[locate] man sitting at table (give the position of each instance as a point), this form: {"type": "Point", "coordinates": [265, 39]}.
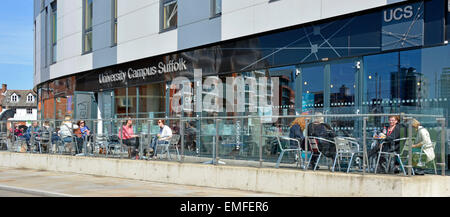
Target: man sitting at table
{"type": "Point", "coordinates": [163, 137]}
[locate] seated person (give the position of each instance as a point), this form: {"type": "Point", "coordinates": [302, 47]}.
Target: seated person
{"type": "Point", "coordinates": [322, 130]}
{"type": "Point", "coordinates": [129, 138]}
{"type": "Point", "coordinates": [66, 130]}
{"type": "Point", "coordinates": [32, 131]}
{"type": "Point", "coordinates": [423, 139]}
{"type": "Point", "coordinates": [389, 145]}
{"type": "Point", "coordinates": [163, 137]}
{"type": "Point", "coordinates": [296, 132]}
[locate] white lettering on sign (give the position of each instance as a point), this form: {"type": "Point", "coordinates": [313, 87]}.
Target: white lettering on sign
{"type": "Point", "coordinates": [398, 13]}
{"type": "Point", "coordinates": [142, 73]}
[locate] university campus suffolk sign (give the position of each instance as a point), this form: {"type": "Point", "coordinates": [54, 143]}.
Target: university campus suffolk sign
{"type": "Point", "coordinates": [129, 74]}
{"type": "Point", "coordinates": [133, 73]}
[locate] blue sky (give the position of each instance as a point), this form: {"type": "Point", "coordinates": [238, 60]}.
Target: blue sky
{"type": "Point", "coordinates": [16, 44]}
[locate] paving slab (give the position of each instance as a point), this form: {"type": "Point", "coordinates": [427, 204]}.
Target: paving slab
{"type": "Point", "coordinates": [28, 182]}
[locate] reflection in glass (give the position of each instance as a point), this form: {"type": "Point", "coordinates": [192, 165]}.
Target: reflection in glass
{"type": "Point", "coordinates": [342, 86]}
{"type": "Point", "coordinates": [312, 88]}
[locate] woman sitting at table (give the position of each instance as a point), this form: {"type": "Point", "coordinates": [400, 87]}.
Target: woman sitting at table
{"type": "Point", "coordinates": [129, 138]}
{"type": "Point", "coordinates": [392, 133]}
{"type": "Point", "coordinates": [296, 131]}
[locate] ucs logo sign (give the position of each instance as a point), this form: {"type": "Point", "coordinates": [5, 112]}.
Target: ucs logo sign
{"type": "Point", "coordinates": [405, 12]}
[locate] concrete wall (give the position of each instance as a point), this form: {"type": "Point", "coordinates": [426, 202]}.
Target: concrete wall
{"type": "Point", "coordinates": [285, 181]}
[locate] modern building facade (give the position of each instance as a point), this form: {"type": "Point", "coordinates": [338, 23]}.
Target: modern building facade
{"type": "Point", "coordinates": [103, 59]}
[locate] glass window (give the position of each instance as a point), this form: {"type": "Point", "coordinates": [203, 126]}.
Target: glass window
{"type": "Point", "coordinates": [114, 22]}
{"type": "Point", "coordinates": [169, 14]}
{"type": "Point", "coordinates": [54, 30]}
{"type": "Point", "coordinates": [14, 98]}
{"type": "Point", "coordinates": [434, 22]}
{"type": "Point", "coordinates": [64, 92]}
{"type": "Point", "coordinates": [120, 102]}
{"type": "Point", "coordinates": [312, 88]}
{"type": "Point", "coordinates": [382, 84]}
{"type": "Point", "coordinates": [87, 37]}
{"type": "Point", "coordinates": [216, 8]}
{"type": "Point", "coordinates": [152, 100]}
{"type": "Point", "coordinates": [342, 85]}
{"type": "Point", "coordinates": [448, 21]}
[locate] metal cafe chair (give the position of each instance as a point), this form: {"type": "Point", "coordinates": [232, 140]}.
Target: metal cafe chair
{"type": "Point", "coordinates": [314, 149]}
{"type": "Point", "coordinates": [44, 139]}
{"type": "Point", "coordinates": [345, 148]}
{"type": "Point", "coordinates": [420, 163]}
{"type": "Point", "coordinates": [393, 154]}
{"type": "Point", "coordinates": [287, 148]}
{"type": "Point", "coordinates": [173, 141]}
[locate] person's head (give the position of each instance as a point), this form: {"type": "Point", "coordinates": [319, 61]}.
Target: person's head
{"type": "Point", "coordinates": [300, 121]}
{"type": "Point", "coordinates": [161, 123]}
{"type": "Point", "coordinates": [67, 118]}
{"type": "Point", "coordinates": [81, 123]}
{"type": "Point", "coordinates": [128, 121]}
{"type": "Point", "coordinates": [415, 123]}
{"type": "Point", "coordinates": [318, 119]}
{"type": "Point", "coordinates": [394, 120]}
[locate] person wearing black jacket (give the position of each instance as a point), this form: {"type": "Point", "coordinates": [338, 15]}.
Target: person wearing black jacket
{"type": "Point", "coordinates": [323, 130]}
{"type": "Point", "coordinates": [392, 133]}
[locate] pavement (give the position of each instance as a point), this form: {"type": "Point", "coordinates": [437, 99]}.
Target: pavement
{"type": "Point", "coordinates": [25, 182]}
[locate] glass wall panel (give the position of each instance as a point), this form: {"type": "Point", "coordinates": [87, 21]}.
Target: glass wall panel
{"type": "Point", "coordinates": [434, 24]}
{"type": "Point", "coordinates": [448, 21]}
{"type": "Point", "coordinates": [312, 88]}
{"type": "Point", "coordinates": [120, 102]}
{"type": "Point", "coordinates": [342, 85]}
{"type": "Point", "coordinates": [152, 100]}
{"type": "Point", "coordinates": [64, 92]}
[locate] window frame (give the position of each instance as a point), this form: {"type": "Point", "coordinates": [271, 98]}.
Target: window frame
{"type": "Point", "coordinates": [87, 30]}
{"type": "Point", "coordinates": [29, 111]}
{"type": "Point", "coordinates": [214, 13]}
{"type": "Point", "coordinates": [30, 98]}
{"type": "Point", "coordinates": [14, 98]}
{"type": "Point", "coordinates": [163, 4]}
{"type": "Point", "coordinates": [54, 29]}
{"type": "Point", "coordinates": [114, 25]}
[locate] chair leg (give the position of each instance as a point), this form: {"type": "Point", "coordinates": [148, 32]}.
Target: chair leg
{"type": "Point", "coordinates": [378, 161]}
{"type": "Point", "coordinates": [334, 164]}
{"type": "Point", "coordinates": [401, 164]}
{"type": "Point", "coordinates": [317, 162]}
{"type": "Point", "coordinates": [434, 164]}
{"type": "Point", "coordinates": [389, 163]}
{"type": "Point", "coordinates": [350, 163]}
{"type": "Point", "coordinates": [279, 159]}
{"type": "Point", "coordinates": [309, 161]}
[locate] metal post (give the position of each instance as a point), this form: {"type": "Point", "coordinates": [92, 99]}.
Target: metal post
{"type": "Point", "coordinates": [409, 143]}
{"type": "Point", "coordinates": [365, 159]}
{"type": "Point", "coordinates": [121, 138]}
{"type": "Point", "coordinates": [442, 164]}
{"type": "Point", "coordinates": [306, 142]}
{"type": "Point", "coordinates": [216, 157]}
{"type": "Point", "coordinates": [260, 142]}
{"type": "Point", "coordinates": [182, 139]}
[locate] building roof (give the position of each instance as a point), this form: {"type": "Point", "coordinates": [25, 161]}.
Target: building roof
{"type": "Point", "coordinates": [22, 99]}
